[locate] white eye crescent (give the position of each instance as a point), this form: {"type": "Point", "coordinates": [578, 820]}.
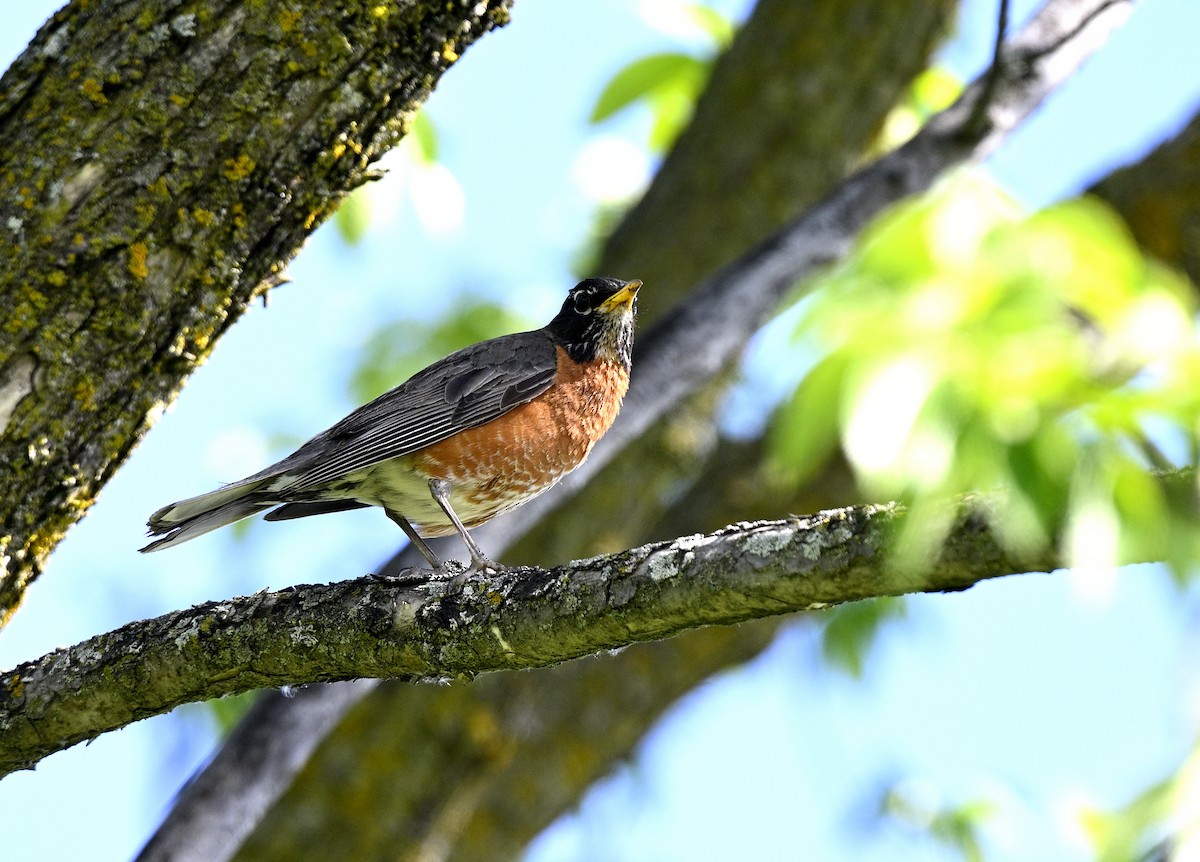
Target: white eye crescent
{"type": "Point", "coordinates": [583, 304]}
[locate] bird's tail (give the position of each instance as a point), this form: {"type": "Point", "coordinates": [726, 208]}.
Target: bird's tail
{"type": "Point", "coordinates": [195, 516]}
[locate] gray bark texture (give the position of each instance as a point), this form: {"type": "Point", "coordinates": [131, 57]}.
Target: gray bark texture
{"type": "Point", "coordinates": [520, 619]}
{"type": "Point", "coordinates": [162, 161]}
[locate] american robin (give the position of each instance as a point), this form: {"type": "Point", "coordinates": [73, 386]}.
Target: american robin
{"type": "Point", "coordinates": [473, 435]}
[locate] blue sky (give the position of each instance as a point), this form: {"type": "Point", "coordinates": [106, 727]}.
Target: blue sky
{"type": "Point", "coordinates": [1043, 692]}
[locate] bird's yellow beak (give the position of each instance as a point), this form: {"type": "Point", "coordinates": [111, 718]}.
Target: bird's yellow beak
{"type": "Point", "coordinates": [623, 298]}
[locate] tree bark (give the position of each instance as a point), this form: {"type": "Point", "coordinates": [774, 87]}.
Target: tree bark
{"type": "Point", "coordinates": [1159, 198]}
{"type": "Point", "coordinates": [163, 161]}
{"type": "Point", "coordinates": [516, 620]}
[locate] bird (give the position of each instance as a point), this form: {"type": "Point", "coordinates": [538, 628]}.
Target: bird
{"type": "Point", "coordinates": [475, 434]}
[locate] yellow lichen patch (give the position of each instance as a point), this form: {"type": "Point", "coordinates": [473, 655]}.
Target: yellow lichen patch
{"type": "Point", "coordinates": [448, 53]}
{"type": "Point", "coordinates": [57, 278]}
{"type": "Point", "coordinates": [236, 169]}
{"type": "Point", "coordinates": [206, 218]}
{"type": "Point", "coordinates": [138, 252]}
{"type": "Point", "coordinates": [94, 90]}
{"type": "Point", "coordinates": [239, 215]}
{"type": "Point", "coordinates": [85, 395]}
{"type": "Point", "coordinates": [380, 11]}
{"type": "Point", "coordinates": [16, 687]}
{"type": "Point", "coordinates": [158, 188]}
{"type": "Point", "coordinates": [288, 19]}
{"type": "Point", "coordinates": [177, 100]}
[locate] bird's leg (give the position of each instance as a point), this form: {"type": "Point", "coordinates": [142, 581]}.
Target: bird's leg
{"type": "Point", "coordinates": [418, 542]}
{"type": "Point", "coordinates": [440, 489]}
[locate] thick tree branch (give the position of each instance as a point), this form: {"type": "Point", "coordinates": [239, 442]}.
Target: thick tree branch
{"type": "Point", "coordinates": [161, 161]}
{"type": "Point", "coordinates": [525, 618]}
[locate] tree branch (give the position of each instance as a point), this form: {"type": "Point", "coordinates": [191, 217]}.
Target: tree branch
{"type": "Point", "coordinates": [524, 618]}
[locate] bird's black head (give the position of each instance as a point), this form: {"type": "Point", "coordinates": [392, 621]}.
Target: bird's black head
{"type": "Point", "coordinates": [596, 321]}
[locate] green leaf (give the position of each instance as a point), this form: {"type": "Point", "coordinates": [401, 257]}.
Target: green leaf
{"type": "Point", "coordinates": [965, 346]}
{"type": "Point", "coordinates": [228, 711]}
{"type": "Point", "coordinates": [645, 76]}
{"type": "Point", "coordinates": [804, 431]}
{"type": "Point", "coordinates": [353, 217]}
{"type": "Point", "coordinates": [424, 137]}
{"type": "Point", "coordinates": [850, 631]}
{"type": "Point", "coordinates": [715, 25]}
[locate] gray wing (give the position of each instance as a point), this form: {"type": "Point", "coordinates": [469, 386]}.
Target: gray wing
{"type": "Point", "coordinates": [466, 389]}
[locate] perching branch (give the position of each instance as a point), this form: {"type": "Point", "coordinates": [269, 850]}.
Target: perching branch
{"type": "Point", "coordinates": [525, 618]}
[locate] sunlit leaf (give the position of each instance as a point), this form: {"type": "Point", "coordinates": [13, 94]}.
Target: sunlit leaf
{"type": "Point", "coordinates": [718, 27]}
{"type": "Point", "coordinates": [653, 74]}
{"type": "Point", "coordinates": [228, 711]}
{"type": "Point", "coordinates": [353, 217]}
{"type": "Point", "coordinates": [968, 347]}
{"type": "Point", "coordinates": [851, 630]}
{"type": "Point", "coordinates": [423, 135]}
{"type": "Point", "coordinates": [958, 827]}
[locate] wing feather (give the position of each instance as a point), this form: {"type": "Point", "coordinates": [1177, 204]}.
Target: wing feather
{"type": "Point", "coordinates": [466, 389]}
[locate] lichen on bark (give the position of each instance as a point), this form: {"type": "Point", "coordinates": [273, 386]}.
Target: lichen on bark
{"type": "Point", "coordinates": [161, 162]}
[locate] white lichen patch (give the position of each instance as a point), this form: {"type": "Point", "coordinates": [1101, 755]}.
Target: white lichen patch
{"type": "Point", "coordinates": [405, 614]}
{"type": "Point", "coordinates": [810, 546]}
{"type": "Point", "coordinates": [660, 566]}
{"type": "Point", "coordinates": [504, 645]}
{"type": "Point", "coordinates": [694, 542]}
{"type": "Point", "coordinates": [16, 385]}
{"type": "Point", "coordinates": [39, 450]}
{"type": "Point", "coordinates": [184, 25]}
{"type": "Point", "coordinates": [303, 636]}
{"type": "Point", "coordinates": [57, 41]}
{"type": "Point", "coordinates": [190, 633]}
{"type": "Point", "coordinates": [77, 187]}
{"type": "Point", "coordinates": [767, 542]}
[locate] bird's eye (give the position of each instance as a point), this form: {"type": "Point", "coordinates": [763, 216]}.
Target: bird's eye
{"type": "Point", "coordinates": [583, 303]}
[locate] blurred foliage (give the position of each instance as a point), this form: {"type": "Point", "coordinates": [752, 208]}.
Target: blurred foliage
{"type": "Point", "coordinates": [667, 83]}
{"type": "Point", "coordinates": [398, 350]}
{"type": "Point", "coordinates": [964, 346]}
{"type": "Point", "coordinates": [930, 92]}
{"type": "Point", "coordinates": [1161, 822]}
{"type": "Point", "coordinates": [228, 711]}
{"type": "Point", "coordinates": [418, 151]}
{"type": "Point", "coordinates": [956, 826]}
{"type": "Point", "coordinates": [851, 630]}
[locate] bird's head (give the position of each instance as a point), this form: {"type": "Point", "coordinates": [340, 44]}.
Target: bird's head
{"type": "Point", "coordinates": [596, 320]}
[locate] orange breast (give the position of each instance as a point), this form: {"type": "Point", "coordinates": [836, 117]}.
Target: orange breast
{"type": "Point", "coordinates": [505, 462]}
